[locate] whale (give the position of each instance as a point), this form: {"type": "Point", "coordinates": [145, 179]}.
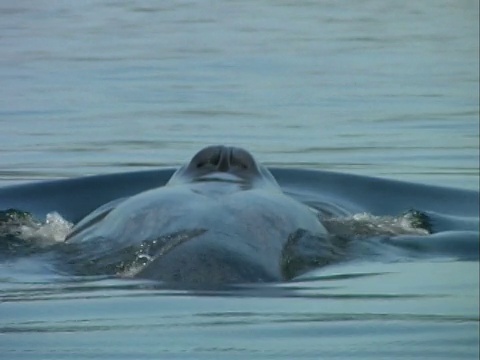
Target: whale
{"type": "Point", "coordinates": [220, 219]}
{"type": "Point", "coordinates": [223, 218]}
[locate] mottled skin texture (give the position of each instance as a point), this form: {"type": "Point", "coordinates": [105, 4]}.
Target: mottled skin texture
{"type": "Point", "coordinates": [221, 219]}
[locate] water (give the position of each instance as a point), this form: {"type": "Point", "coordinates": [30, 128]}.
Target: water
{"type": "Point", "coordinates": [376, 88]}
{"type": "Point", "coordinates": [369, 87]}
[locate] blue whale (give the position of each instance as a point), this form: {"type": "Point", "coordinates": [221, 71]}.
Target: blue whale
{"type": "Point", "coordinates": [220, 219]}
{"type": "Point", "coordinates": [223, 218]}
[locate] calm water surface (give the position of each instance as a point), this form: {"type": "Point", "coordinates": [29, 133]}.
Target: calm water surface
{"type": "Point", "coordinates": [369, 87]}
{"type": "Point", "coordinates": [379, 88]}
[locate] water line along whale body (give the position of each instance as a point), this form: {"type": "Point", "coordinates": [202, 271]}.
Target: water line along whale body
{"type": "Point", "coordinates": [220, 219]}
{"type": "Point", "coordinates": [223, 219]}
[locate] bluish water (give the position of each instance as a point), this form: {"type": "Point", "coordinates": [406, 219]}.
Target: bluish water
{"type": "Point", "coordinates": [370, 87]}
{"type": "Point", "coordinates": [377, 88]}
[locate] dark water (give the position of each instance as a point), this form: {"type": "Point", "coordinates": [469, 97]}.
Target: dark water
{"type": "Point", "coordinates": [375, 88]}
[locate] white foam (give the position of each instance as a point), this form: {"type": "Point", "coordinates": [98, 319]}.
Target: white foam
{"type": "Point", "coordinates": [54, 230]}
{"type": "Point", "coordinates": [367, 225]}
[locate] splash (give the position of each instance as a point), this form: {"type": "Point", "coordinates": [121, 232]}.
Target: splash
{"type": "Point", "coordinates": [55, 229]}
{"type": "Point", "coordinates": [21, 228]}
{"type": "Point", "coordinates": [367, 225]}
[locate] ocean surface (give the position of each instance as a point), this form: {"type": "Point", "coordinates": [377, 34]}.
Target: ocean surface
{"type": "Point", "coordinates": [378, 100]}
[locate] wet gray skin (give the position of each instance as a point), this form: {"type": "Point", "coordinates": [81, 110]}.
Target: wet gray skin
{"type": "Point", "coordinates": [221, 219]}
